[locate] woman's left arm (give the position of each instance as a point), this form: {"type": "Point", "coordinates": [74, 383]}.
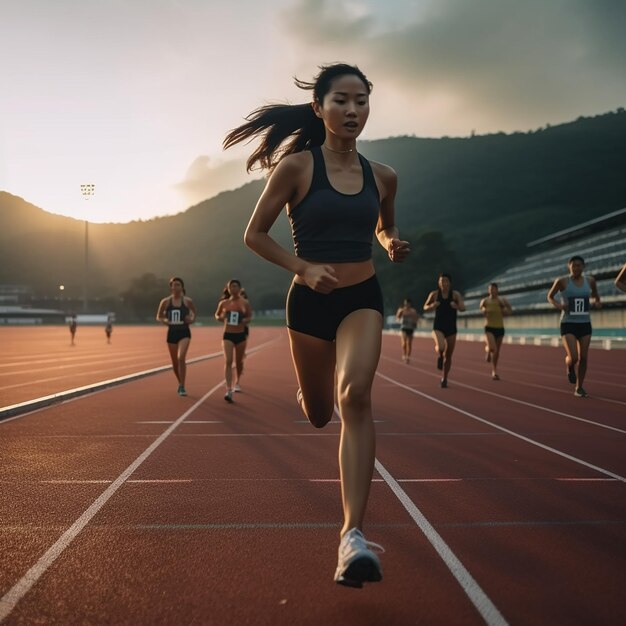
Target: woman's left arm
{"type": "Point", "coordinates": [386, 229]}
{"type": "Point", "coordinates": [459, 301]}
{"type": "Point", "coordinates": [192, 308]}
{"type": "Point", "coordinates": [248, 314]}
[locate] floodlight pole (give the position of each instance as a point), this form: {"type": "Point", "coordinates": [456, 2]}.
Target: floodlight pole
{"type": "Point", "coordinates": [87, 192]}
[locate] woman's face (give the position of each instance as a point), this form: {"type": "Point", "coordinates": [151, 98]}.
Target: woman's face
{"type": "Point", "coordinates": [444, 283]}
{"type": "Point", "coordinates": [176, 287]}
{"type": "Point", "coordinates": [576, 268]}
{"type": "Point", "coordinates": [345, 108]}
{"type": "Point", "coordinates": [234, 289]}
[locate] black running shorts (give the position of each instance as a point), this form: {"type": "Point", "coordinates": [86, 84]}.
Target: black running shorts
{"type": "Point", "coordinates": [319, 315]}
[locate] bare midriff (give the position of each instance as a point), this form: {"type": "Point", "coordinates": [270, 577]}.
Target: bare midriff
{"type": "Point", "coordinates": [346, 273]}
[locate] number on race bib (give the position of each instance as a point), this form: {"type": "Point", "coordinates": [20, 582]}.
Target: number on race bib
{"type": "Point", "coordinates": [578, 306]}
{"type": "Point", "coordinates": [233, 318]}
{"type": "Point", "coordinates": [175, 317]}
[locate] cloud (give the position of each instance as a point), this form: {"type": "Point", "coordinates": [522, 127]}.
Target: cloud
{"type": "Point", "coordinates": [495, 64]}
{"type": "Point", "coordinates": [204, 179]}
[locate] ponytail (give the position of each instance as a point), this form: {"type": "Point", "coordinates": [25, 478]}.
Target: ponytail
{"type": "Point", "coordinates": [284, 129]}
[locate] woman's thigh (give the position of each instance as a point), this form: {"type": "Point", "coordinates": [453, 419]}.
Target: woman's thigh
{"type": "Point", "coordinates": [359, 338]}
{"type": "Point", "coordinates": [314, 362]}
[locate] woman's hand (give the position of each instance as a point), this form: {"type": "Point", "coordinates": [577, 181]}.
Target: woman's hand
{"type": "Point", "coordinates": [398, 250]}
{"type": "Point", "coordinates": [320, 278]}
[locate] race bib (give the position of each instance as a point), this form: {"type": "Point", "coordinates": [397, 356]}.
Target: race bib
{"type": "Point", "coordinates": [233, 318]}
{"type": "Point", "coordinates": [578, 305]}
{"type": "Point", "coordinates": [175, 317]}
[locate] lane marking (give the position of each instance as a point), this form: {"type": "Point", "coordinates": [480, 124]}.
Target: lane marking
{"type": "Point", "coordinates": [23, 586]}
{"type": "Point", "coordinates": [505, 430]}
{"type": "Point", "coordinates": [533, 523]}
{"type": "Point", "coordinates": [521, 382]}
{"type": "Point", "coordinates": [257, 526]}
{"type": "Point", "coordinates": [187, 422]}
{"type": "Point", "coordinates": [14, 411]}
{"type": "Point", "coordinates": [473, 590]}
{"type": "Point", "coordinates": [530, 404]}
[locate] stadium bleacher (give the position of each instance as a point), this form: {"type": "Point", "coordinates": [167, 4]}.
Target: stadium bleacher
{"type": "Point", "coordinates": [601, 242]}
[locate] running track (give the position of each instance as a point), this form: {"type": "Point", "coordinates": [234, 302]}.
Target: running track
{"type": "Point", "coordinates": [497, 502]}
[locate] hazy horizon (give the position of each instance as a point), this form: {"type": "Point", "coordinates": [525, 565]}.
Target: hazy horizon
{"type": "Point", "coordinates": [137, 97]}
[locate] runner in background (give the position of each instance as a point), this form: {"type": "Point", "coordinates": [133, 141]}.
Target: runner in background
{"type": "Point", "coordinates": [236, 313]}
{"type": "Point", "coordinates": [445, 302]}
{"type": "Point", "coordinates": [408, 318]}
{"type": "Point", "coordinates": [72, 326]}
{"type": "Point", "coordinates": [177, 312]}
{"type": "Point", "coordinates": [494, 308]}
{"type": "Point", "coordinates": [576, 291]}
{"type": "Point", "coordinates": [108, 329]}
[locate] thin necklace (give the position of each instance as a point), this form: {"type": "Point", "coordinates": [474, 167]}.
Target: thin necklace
{"type": "Point", "coordinates": [338, 151]}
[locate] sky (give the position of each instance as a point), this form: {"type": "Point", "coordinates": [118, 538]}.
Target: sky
{"type": "Point", "coordinates": [135, 96]}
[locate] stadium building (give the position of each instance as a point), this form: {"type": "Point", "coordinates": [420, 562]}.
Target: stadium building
{"type": "Point", "coordinates": [601, 242]}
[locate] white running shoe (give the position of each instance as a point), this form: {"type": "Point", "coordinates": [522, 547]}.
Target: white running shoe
{"type": "Point", "coordinates": [228, 396]}
{"type": "Point", "coordinates": [357, 563]}
{"type": "Point", "coordinates": [237, 388]}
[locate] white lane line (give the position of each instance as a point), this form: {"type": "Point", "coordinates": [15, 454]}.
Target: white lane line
{"type": "Point", "coordinates": [523, 383]}
{"type": "Point", "coordinates": [530, 404]}
{"type": "Point", "coordinates": [187, 422]}
{"type": "Point", "coordinates": [400, 480]}
{"type": "Point", "coordinates": [22, 587]}
{"type": "Point", "coordinates": [505, 430]}
{"type": "Point", "coordinates": [72, 394]}
{"type": "Point", "coordinates": [477, 596]}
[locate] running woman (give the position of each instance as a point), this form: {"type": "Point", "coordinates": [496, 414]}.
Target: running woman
{"type": "Point", "coordinates": [408, 317]}
{"type": "Point", "coordinates": [620, 281]}
{"type": "Point", "coordinates": [445, 302]}
{"type": "Point", "coordinates": [336, 201]}
{"type": "Point", "coordinates": [73, 324]}
{"type": "Point", "coordinates": [108, 329]}
{"type": "Point", "coordinates": [236, 313]}
{"type": "Point", "coordinates": [177, 312]}
{"type": "Point", "coordinates": [494, 308]}
{"type": "Point", "coordinates": [574, 305]}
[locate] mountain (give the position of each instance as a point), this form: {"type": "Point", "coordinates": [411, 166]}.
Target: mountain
{"type": "Point", "coordinates": [468, 205]}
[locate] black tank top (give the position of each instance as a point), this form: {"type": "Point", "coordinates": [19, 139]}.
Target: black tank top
{"type": "Point", "coordinates": [334, 227]}
{"type": "Point", "coordinates": [177, 314]}
{"type": "Point", "coordinates": [444, 313]}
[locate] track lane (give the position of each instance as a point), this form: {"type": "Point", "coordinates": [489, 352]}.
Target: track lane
{"type": "Point", "coordinates": [257, 457]}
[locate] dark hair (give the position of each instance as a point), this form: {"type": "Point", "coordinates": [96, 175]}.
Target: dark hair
{"type": "Point", "coordinates": [287, 128]}
{"type": "Point", "coordinates": [180, 280]}
{"type": "Point", "coordinates": [408, 300]}
{"type": "Point", "coordinates": [576, 258]}
{"type": "Point", "coordinates": [445, 275]}
{"type": "Point", "coordinates": [493, 285]}
{"type": "Point", "coordinates": [226, 292]}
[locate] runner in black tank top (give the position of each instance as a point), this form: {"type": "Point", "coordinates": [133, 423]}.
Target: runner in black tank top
{"type": "Point", "coordinates": [337, 201]}
{"type": "Point", "coordinates": [445, 302]}
{"type": "Point", "coordinates": [177, 311]}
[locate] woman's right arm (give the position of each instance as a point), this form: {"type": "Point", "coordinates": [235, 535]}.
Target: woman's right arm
{"type": "Point", "coordinates": [280, 189]}
{"type": "Point", "coordinates": [219, 316]}
{"type": "Point", "coordinates": [556, 287]}
{"type": "Point", "coordinates": [160, 316]}
{"type": "Point", "coordinates": [431, 303]}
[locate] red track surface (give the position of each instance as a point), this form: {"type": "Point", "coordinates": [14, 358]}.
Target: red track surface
{"type": "Point", "coordinates": [193, 511]}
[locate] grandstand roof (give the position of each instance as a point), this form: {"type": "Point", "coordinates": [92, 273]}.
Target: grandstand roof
{"type": "Point", "coordinates": [597, 224]}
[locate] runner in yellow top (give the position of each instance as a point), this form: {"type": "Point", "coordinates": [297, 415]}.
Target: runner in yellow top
{"type": "Point", "coordinates": [494, 308]}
